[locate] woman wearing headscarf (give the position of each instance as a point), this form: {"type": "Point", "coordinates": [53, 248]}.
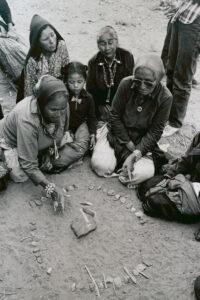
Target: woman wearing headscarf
{"type": "Point", "coordinates": [35, 126]}
{"type": "Point", "coordinates": [140, 110]}
{"type": "Point", "coordinates": [106, 69]}
{"type": "Point", "coordinates": [47, 55]}
{"type": "Point", "coordinates": [13, 50]}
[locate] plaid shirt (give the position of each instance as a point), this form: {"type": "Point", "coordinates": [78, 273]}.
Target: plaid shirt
{"type": "Point", "coordinates": [187, 13]}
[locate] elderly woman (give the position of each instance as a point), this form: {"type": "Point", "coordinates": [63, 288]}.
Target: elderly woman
{"type": "Point", "coordinates": [140, 110]}
{"type": "Point", "coordinates": [47, 55]}
{"type": "Point", "coordinates": [12, 49]}
{"type": "Point", "coordinates": [106, 69]}
{"type": "Point", "coordinates": [34, 127]}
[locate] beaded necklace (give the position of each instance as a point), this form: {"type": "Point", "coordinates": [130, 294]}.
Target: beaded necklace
{"type": "Point", "coordinates": [112, 74]}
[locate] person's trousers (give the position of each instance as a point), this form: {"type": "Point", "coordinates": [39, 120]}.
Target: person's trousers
{"type": "Point", "coordinates": [184, 49]}
{"type": "Point", "coordinates": [72, 152]}
{"type": "Point", "coordinates": [165, 49]}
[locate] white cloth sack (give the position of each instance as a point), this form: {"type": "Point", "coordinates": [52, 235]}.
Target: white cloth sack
{"type": "Point", "coordinates": [103, 160]}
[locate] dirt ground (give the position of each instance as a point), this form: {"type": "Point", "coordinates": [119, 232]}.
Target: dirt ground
{"type": "Point", "coordinates": [34, 239]}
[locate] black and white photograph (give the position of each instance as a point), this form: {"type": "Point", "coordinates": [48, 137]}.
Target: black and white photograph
{"type": "Point", "coordinates": [99, 150]}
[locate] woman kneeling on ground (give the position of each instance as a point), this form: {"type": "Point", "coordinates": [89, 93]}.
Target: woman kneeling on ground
{"type": "Point", "coordinates": [36, 125]}
{"type": "Point", "coordinates": [140, 110]}
{"type": "Point", "coordinates": [106, 69]}
{"type": "Point", "coordinates": [47, 55]}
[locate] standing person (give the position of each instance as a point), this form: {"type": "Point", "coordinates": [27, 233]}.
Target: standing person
{"type": "Point", "coordinates": [140, 110]}
{"type": "Point", "coordinates": [12, 49]}
{"type": "Point", "coordinates": [106, 69]}
{"type": "Point", "coordinates": [35, 126]}
{"type": "Point", "coordinates": [182, 60]}
{"type": "Point", "coordinates": [47, 55]}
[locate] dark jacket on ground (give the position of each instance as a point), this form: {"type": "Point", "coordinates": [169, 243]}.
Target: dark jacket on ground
{"type": "Point", "coordinates": [95, 81]}
{"type": "Point", "coordinates": [82, 112]}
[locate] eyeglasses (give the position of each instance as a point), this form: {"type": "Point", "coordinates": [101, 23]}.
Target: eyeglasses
{"type": "Point", "coordinates": [147, 83]}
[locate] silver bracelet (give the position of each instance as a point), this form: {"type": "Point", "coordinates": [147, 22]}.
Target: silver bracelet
{"type": "Point", "coordinates": [49, 189]}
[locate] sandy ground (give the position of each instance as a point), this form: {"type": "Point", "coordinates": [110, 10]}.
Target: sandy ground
{"type": "Point", "coordinates": [34, 239]}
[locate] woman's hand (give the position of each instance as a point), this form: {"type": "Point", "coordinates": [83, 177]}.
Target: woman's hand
{"type": "Point", "coordinates": [58, 199]}
{"type": "Point", "coordinates": [128, 165]}
{"type": "Point", "coordinates": [92, 141]}
{"type": "Point", "coordinates": [130, 146]}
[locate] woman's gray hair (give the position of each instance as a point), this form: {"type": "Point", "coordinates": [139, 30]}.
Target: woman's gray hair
{"type": "Point", "coordinates": [107, 29]}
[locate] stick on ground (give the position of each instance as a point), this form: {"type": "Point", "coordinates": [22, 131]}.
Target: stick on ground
{"type": "Point", "coordinates": [130, 275]}
{"type": "Point", "coordinates": [93, 281]}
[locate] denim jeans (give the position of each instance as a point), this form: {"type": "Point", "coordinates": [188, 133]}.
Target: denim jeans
{"type": "Point", "coordinates": [165, 50]}
{"type": "Point", "coordinates": [184, 49]}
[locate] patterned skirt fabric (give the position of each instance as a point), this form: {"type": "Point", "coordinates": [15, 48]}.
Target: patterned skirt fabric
{"type": "Point", "coordinates": [12, 56]}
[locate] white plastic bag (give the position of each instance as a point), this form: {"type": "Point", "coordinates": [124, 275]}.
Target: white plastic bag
{"type": "Point", "coordinates": [103, 160]}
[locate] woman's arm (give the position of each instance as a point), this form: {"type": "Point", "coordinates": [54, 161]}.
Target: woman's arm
{"type": "Point", "coordinates": [30, 77]}
{"type": "Point", "coordinates": [91, 118]}
{"type": "Point", "coordinates": [150, 139]}
{"type": "Point", "coordinates": [117, 111]}
{"type": "Point", "coordinates": [63, 53]}
{"type": "Point", "coordinates": [27, 148]}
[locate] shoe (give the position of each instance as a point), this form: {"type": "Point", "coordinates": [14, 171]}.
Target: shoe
{"type": "Point", "coordinates": [169, 130]}
{"type": "Point", "coordinates": [197, 288]}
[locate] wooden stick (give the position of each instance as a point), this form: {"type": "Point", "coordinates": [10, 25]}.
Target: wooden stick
{"type": "Point", "coordinates": [144, 275]}
{"type": "Point", "coordinates": [26, 238]}
{"type": "Point", "coordinates": [93, 281]}
{"type": "Point", "coordinates": [130, 275]}
{"type": "Point", "coordinates": [104, 280]}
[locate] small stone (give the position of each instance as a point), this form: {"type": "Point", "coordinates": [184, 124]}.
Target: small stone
{"type": "Point", "coordinates": [111, 193]}
{"type": "Point", "coordinates": [86, 203]}
{"type": "Point", "coordinates": [122, 200]}
{"type": "Point", "coordinates": [147, 263]}
{"type": "Point", "coordinates": [91, 187]}
{"type": "Point", "coordinates": [33, 223]}
{"type": "Point", "coordinates": [36, 250]}
{"type": "Point", "coordinates": [133, 209]}
{"type": "Point", "coordinates": [101, 285]}
{"type": "Point", "coordinates": [70, 188]}
{"type": "Point", "coordinates": [91, 287]}
{"type": "Point", "coordinates": [128, 205]}
{"type": "Point", "coordinates": [43, 199]}
{"type": "Point", "coordinates": [33, 227]}
{"type": "Point", "coordinates": [75, 186]}
{"type": "Point", "coordinates": [38, 202]}
{"type": "Point", "coordinates": [73, 287]}
{"type": "Point", "coordinates": [49, 271]}
{"type": "Point", "coordinates": [99, 188]}
{"type": "Point", "coordinates": [139, 214]}
{"type": "Point", "coordinates": [126, 279]}
{"type": "Point", "coordinates": [118, 282]}
{"type": "Point", "coordinates": [135, 272]}
{"type": "Point", "coordinates": [117, 197]}
{"type": "Point", "coordinates": [140, 267]}
{"type": "Point", "coordinates": [142, 221]}
{"type": "Point", "coordinates": [34, 244]}
{"type": "Point", "coordinates": [39, 259]}
{"type": "Point", "coordinates": [109, 279]}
